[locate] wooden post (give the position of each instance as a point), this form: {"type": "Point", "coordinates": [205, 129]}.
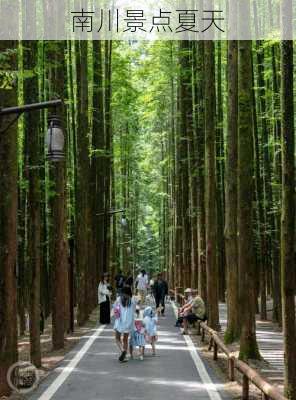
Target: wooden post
{"type": "Point", "coordinates": [210, 344]}
{"type": "Point", "coordinates": [231, 369]}
{"type": "Point", "coordinates": [198, 328]}
{"type": "Point", "coordinates": [202, 335]}
{"type": "Point", "coordinates": [215, 354]}
{"type": "Point", "coordinates": [245, 395]}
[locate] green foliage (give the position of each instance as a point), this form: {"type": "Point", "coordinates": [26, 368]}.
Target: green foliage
{"type": "Point", "coordinates": [140, 104]}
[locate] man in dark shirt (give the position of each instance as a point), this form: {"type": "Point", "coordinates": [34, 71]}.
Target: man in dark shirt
{"type": "Point", "coordinates": [129, 280]}
{"type": "Point", "coordinates": [160, 290]}
{"type": "Point", "coordinates": [119, 279]}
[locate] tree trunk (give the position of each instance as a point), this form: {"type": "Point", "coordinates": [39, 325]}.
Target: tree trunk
{"type": "Point", "coordinates": [200, 147]}
{"type": "Point", "coordinates": [97, 161]}
{"type": "Point", "coordinates": [32, 126]}
{"type": "Point", "coordinates": [59, 243]}
{"type": "Point", "coordinates": [185, 99]}
{"type": "Point", "coordinates": [210, 180]}
{"type": "Point", "coordinates": [288, 218]}
{"type": "Point", "coordinates": [248, 343]}
{"type": "Point", "coordinates": [221, 261]}
{"type": "Point", "coordinates": [233, 320]}
{"type": "Point", "coordinates": [8, 222]}
{"type": "Point", "coordinates": [82, 190]}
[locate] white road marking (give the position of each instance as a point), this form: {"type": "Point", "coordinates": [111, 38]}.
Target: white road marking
{"type": "Point", "coordinates": [66, 371]}
{"type": "Point", "coordinates": [201, 369]}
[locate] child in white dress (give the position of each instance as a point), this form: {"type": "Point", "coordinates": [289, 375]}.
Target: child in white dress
{"type": "Point", "coordinates": [150, 323]}
{"type": "Point", "coordinates": [137, 339]}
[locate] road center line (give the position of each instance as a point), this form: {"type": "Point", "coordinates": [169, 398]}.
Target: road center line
{"type": "Point", "coordinates": [201, 369]}
{"type": "Point", "coordinates": [68, 369]}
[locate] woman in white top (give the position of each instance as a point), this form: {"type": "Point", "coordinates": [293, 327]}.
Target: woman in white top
{"type": "Point", "coordinates": [124, 312]}
{"type": "Point", "coordinates": [142, 285]}
{"type": "Point", "coordinates": [104, 294]}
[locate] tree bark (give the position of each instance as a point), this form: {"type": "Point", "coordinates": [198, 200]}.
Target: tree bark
{"type": "Point", "coordinates": [8, 222]}
{"type": "Point", "coordinates": [288, 219]}
{"type": "Point", "coordinates": [248, 343]}
{"type": "Point", "coordinates": [32, 121]}
{"type": "Point", "coordinates": [59, 243]}
{"type": "Point", "coordinates": [233, 320]}
{"type": "Point", "coordinates": [200, 148]}
{"type": "Point", "coordinates": [82, 190]}
{"type": "Point", "coordinates": [211, 187]}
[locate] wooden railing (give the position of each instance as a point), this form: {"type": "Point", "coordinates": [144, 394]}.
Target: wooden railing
{"type": "Point", "coordinates": [249, 374]}
{"type": "Point", "coordinates": [177, 295]}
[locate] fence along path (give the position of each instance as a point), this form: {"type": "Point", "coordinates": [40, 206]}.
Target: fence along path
{"type": "Point", "coordinates": [271, 345]}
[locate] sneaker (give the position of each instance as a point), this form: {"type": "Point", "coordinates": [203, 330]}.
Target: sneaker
{"type": "Point", "coordinates": [122, 356]}
{"type": "Point", "coordinates": [141, 358]}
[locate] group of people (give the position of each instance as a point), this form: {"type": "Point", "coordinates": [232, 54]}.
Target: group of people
{"type": "Point", "coordinates": [133, 330]}
{"type": "Point", "coordinates": [158, 287]}
{"type": "Point", "coordinates": [130, 330]}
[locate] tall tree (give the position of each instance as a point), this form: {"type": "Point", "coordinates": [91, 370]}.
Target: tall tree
{"type": "Point", "coordinates": [288, 204]}
{"type": "Point", "coordinates": [210, 183]}
{"type": "Point", "coordinates": [57, 174]}
{"type": "Point", "coordinates": [185, 103]}
{"type": "Point", "coordinates": [233, 325]}
{"type": "Point", "coordinates": [200, 148]}
{"type": "Point", "coordinates": [248, 343]}
{"type": "Point", "coordinates": [82, 190]}
{"type": "Point", "coordinates": [98, 143]}
{"type": "Point", "coordinates": [32, 125]}
{"type": "Point", "coordinates": [8, 215]}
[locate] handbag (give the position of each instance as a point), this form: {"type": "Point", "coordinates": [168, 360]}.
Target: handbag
{"type": "Point", "coordinates": [117, 311]}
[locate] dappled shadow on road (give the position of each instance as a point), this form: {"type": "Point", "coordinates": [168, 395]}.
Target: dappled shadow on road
{"type": "Point", "coordinates": [270, 341]}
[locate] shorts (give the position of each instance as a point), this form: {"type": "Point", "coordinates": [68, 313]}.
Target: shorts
{"type": "Point", "coordinates": [191, 318]}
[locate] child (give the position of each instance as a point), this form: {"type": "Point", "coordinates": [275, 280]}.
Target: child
{"type": "Point", "coordinates": [150, 321]}
{"type": "Point", "coordinates": [138, 306]}
{"type": "Point", "coordinates": [138, 339]}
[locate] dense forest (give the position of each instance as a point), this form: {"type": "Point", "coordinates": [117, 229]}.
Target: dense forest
{"type": "Point", "coordinates": [180, 157]}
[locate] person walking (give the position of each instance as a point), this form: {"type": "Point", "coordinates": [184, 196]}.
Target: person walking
{"type": "Point", "coordinates": [119, 282]}
{"type": "Point", "coordinates": [142, 285]}
{"type": "Point", "coordinates": [104, 294]}
{"type": "Point", "coordinates": [137, 339]}
{"type": "Point", "coordinates": [129, 279]}
{"type": "Point", "coordinates": [149, 322]}
{"type": "Point", "coordinates": [124, 310]}
{"type": "Point", "coordinates": [160, 290]}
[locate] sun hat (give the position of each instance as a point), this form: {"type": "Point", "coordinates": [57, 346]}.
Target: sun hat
{"type": "Point", "coordinates": [188, 290]}
{"type": "Point", "coordinates": [148, 312]}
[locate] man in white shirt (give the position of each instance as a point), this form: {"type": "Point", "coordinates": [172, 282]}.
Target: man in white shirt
{"type": "Point", "coordinates": [142, 285]}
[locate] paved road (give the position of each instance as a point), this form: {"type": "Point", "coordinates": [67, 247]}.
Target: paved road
{"type": "Point", "coordinates": [92, 372]}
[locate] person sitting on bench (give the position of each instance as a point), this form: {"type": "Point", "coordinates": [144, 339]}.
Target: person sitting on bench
{"type": "Point", "coordinates": [196, 311]}
{"type": "Point", "coordinates": [182, 310]}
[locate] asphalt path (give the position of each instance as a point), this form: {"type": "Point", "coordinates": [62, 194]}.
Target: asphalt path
{"type": "Point", "coordinates": [91, 371]}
